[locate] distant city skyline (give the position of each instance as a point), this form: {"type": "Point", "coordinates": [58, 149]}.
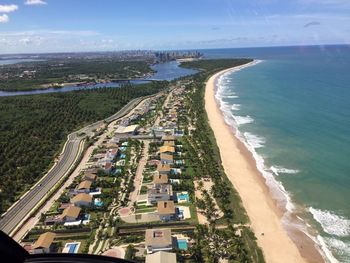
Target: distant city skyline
{"type": "Point", "coordinates": [31, 26]}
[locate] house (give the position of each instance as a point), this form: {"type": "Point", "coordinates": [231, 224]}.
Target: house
{"type": "Point", "coordinates": [83, 187]}
{"type": "Point", "coordinates": [160, 192]}
{"type": "Point", "coordinates": [92, 171]}
{"type": "Point", "coordinates": [167, 149]}
{"type": "Point", "coordinates": [167, 138]}
{"type": "Point", "coordinates": [89, 177]}
{"type": "Point", "coordinates": [111, 154]}
{"type": "Point", "coordinates": [123, 131]}
{"type": "Point", "coordinates": [106, 167]}
{"type": "Point", "coordinates": [169, 143]}
{"type": "Point", "coordinates": [82, 199]}
{"type": "Point", "coordinates": [160, 179]}
{"type": "Point", "coordinates": [112, 145]}
{"type": "Point", "coordinates": [158, 240]}
{"type": "Point", "coordinates": [163, 168]}
{"type": "Point", "coordinates": [70, 214]}
{"type": "Point", "coordinates": [44, 243]}
{"type": "Point", "coordinates": [161, 257]}
{"type": "Point", "coordinates": [166, 158]}
{"type": "Point", "coordinates": [63, 206]}
{"type": "Point", "coordinates": [166, 210]}
{"type": "Point", "coordinates": [51, 220]}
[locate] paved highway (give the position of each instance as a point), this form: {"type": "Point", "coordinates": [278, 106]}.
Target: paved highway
{"type": "Point", "coordinates": [21, 210]}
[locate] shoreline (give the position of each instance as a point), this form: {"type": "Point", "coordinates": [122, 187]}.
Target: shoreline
{"type": "Point", "coordinates": [265, 214]}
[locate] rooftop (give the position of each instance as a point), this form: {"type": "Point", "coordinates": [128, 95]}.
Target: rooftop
{"type": "Point", "coordinates": [166, 207]}
{"type": "Point", "coordinates": [164, 156]}
{"type": "Point", "coordinates": [127, 129]}
{"type": "Point", "coordinates": [45, 240]}
{"type": "Point", "coordinates": [163, 167]}
{"type": "Point", "coordinates": [168, 138]}
{"type": "Point", "coordinates": [82, 197]}
{"type": "Point", "coordinates": [164, 149]}
{"type": "Point", "coordinates": [160, 179]}
{"type": "Point", "coordinates": [71, 211]}
{"type": "Point", "coordinates": [161, 257]}
{"type": "Point", "coordinates": [84, 185]}
{"type": "Point", "coordinates": [158, 237]}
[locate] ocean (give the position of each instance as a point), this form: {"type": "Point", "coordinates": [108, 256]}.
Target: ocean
{"type": "Point", "coordinates": [292, 111]}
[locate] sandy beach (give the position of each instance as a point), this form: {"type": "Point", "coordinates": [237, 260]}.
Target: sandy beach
{"type": "Point", "coordinates": [265, 217]}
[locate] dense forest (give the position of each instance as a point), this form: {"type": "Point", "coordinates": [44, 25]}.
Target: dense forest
{"type": "Point", "coordinates": [33, 129]}
{"type": "Point", "coordinates": [30, 75]}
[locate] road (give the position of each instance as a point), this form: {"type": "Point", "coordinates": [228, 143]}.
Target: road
{"type": "Point", "coordinates": [21, 210]}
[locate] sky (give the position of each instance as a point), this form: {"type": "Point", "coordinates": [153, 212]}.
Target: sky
{"type": "Point", "coordinates": [33, 26]}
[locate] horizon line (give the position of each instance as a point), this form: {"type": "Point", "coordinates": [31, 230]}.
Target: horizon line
{"type": "Point", "coordinates": [168, 50]}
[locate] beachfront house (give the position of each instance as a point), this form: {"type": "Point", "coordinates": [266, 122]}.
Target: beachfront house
{"type": "Point", "coordinates": [159, 192]}
{"type": "Point", "coordinates": [82, 199]}
{"type": "Point", "coordinates": [89, 177]}
{"type": "Point", "coordinates": [166, 210]}
{"type": "Point", "coordinates": [70, 214]}
{"type": "Point", "coordinates": [163, 168]}
{"type": "Point", "coordinates": [161, 257]}
{"type": "Point", "coordinates": [107, 167]}
{"type": "Point", "coordinates": [83, 187]}
{"type": "Point", "coordinates": [158, 240]}
{"type": "Point", "coordinates": [167, 149]}
{"type": "Point", "coordinates": [123, 132]}
{"type": "Point", "coordinates": [44, 243]}
{"type": "Point", "coordinates": [166, 158]}
{"type": "Point", "coordinates": [168, 138]}
{"type": "Point", "coordinates": [159, 179]}
{"type": "Point", "coordinates": [169, 143]}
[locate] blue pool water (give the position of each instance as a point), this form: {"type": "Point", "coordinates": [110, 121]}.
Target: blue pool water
{"type": "Point", "coordinates": [182, 244]}
{"type": "Point", "coordinates": [98, 203]}
{"type": "Point", "coordinates": [72, 248]}
{"type": "Point", "coordinates": [183, 197]}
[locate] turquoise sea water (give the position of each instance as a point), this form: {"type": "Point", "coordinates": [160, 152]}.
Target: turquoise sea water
{"type": "Point", "coordinates": [293, 111]}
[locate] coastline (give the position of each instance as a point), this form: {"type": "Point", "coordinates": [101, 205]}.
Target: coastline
{"type": "Point", "coordinates": [276, 241]}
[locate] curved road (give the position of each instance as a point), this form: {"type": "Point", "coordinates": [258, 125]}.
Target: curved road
{"type": "Point", "coordinates": [20, 211]}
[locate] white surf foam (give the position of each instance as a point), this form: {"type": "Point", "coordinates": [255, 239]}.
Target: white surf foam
{"type": "Point", "coordinates": [230, 96]}
{"type": "Point", "coordinates": [331, 223]}
{"type": "Point", "coordinates": [240, 120]}
{"type": "Point", "coordinates": [236, 107]}
{"type": "Point", "coordinates": [254, 141]}
{"type": "Point", "coordinates": [342, 248]}
{"type": "Point", "coordinates": [326, 250]}
{"type": "Point", "coordinates": [277, 170]}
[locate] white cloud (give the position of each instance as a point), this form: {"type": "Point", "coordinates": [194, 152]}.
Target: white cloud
{"type": "Point", "coordinates": [35, 2]}
{"type": "Point", "coordinates": [51, 33]}
{"type": "Point", "coordinates": [4, 18]}
{"type": "Point", "coordinates": [8, 8]}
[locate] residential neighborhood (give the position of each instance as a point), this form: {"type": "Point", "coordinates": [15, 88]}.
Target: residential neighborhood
{"type": "Point", "coordinates": [134, 194]}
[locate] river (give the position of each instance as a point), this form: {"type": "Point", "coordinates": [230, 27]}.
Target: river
{"type": "Point", "coordinates": [164, 71]}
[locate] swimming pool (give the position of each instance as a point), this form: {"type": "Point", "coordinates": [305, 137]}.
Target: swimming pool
{"type": "Point", "coordinates": [182, 197]}
{"type": "Point", "coordinates": [71, 247]}
{"type": "Point", "coordinates": [98, 202]}
{"type": "Point", "coordinates": [182, 244]}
